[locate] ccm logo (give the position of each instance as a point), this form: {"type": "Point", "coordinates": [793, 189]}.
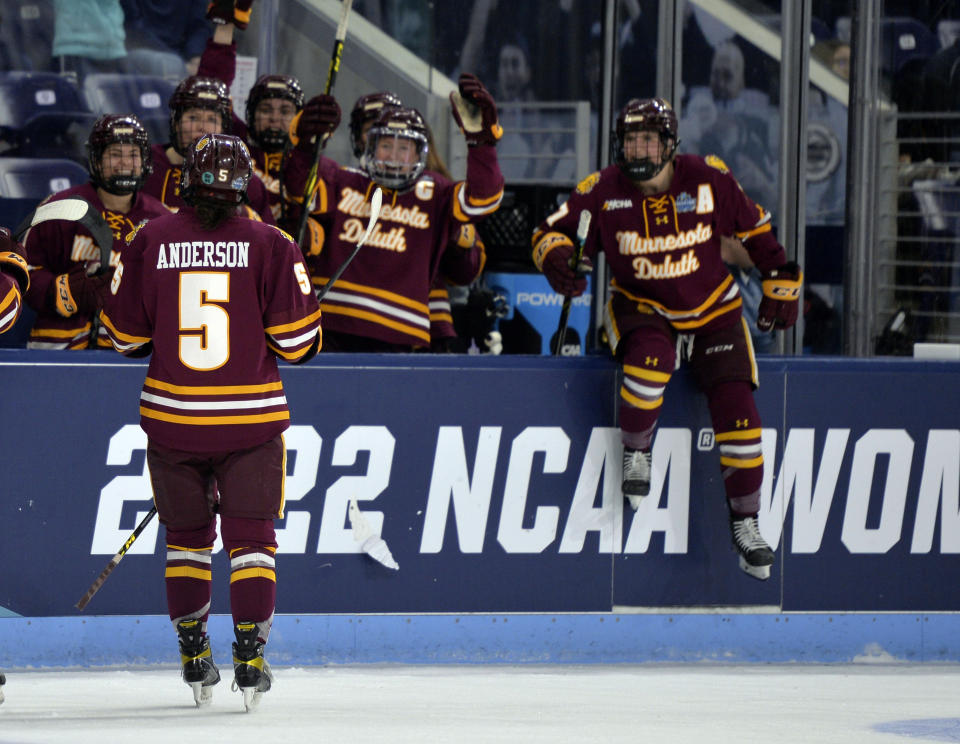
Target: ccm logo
{"type": "Point", "coordinates": [718, 349]}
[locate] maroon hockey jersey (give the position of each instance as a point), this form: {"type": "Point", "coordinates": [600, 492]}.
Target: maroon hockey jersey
{"type": "Point", "coordinates": [219, 307]}
{"type": "Point", "coordinates": [58, 247]}
{"type": "Point", "coordinates": [384, 293]}
{"type": "Point", "coordinates": [663, 249]}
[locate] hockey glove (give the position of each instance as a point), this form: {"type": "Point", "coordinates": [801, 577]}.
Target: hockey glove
{"type": "Point", "coordinates": [78, 292]}
{"type": "Point", "coordinates": [475, 112]}
{"type": "Point", "coordinates": [781, 297]}
{"type": "Point", "coordinates": [318, 118]}
{"type": "Point", "coordinates": [12, 262]}
{"type": "Point", "coordinates": [554, 255]}
{"type": "Point", "coordinates": [220, 11]}
{"type": "Point", "coordinates": [241, 13]}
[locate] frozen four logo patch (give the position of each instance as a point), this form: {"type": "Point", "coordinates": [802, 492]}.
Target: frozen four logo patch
{"type": "Point", "coordinates": [686, 203]}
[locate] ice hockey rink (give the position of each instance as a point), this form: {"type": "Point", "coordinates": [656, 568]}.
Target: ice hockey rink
{"type": "Point", "coordinates": [556, 704]}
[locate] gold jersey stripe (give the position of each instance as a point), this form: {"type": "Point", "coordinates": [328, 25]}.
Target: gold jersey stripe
{"type": "Point", "coordinates": [212, 389]}
{"type": "Point", "coordinates": [321, 281]}
{"type": "Point", "coordinates": [188, 572]}
{"type": "Point", "coordinates": [174, 418]}
{"type": "Point", "coordinates": [379, 320]}
{"type": "Point", "coordinates": [255, 572]}
{"type": "Point", "coordinates": [646, 374]}
{"type": "Point", "coordinates": [636, 402]}
{"type": "Point", "coordinates": [274, 330]}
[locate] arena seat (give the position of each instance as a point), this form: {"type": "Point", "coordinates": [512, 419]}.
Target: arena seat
{"type": "Point", "coordinates": [43, 114]}
{"type": "Point", "coordinates": [146, 96]}
{"type": "Point", "coordinates": [37, 178]}
{"type": "Point", "coordinates": [28, 30]}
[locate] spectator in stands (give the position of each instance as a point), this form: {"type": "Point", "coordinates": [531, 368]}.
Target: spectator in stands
{"type": "Point", "coordinates": [88, 36]}
{"type": "Point", "coordinates": [69, 273]}
{"type": "Point", "coordinates": [736, 123]}
{"type": "Point", "coordinates": [941, 92]}
{"type": "Point", "coordinates": [165, 37]}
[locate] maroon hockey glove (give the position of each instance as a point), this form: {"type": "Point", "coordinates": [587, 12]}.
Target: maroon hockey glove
{"type": "Point", "coordinates": [781, 297]}
{"type": "Point", "coordinates": [241, 13]}
{"type": "Point", "coordinates": [318, 118]}
{"type": "Point", "coordinates": [77, 292]}
{"type": "Point", "coordinates": [475, 112]}
{"type": "Point", "coordinates": [566, 279]}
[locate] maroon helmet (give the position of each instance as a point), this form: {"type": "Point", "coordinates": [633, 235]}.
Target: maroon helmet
{"type": "Point", "coordinates": [272, 86]}
{"type": "Point", "coordinates": [367, 109]}
{"type": "Point", "coordinates": [113, 129]}
{"type": "Point", "coordinates": [217, 168]}
{"type": "Point", "coordinates": [397, 128]}
{"type": "Point", "coordinates": [641, 114]}
{"type": "Point", "coordinates": [198, 92]}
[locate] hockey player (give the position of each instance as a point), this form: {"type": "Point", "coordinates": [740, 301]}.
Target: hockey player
{"type": "Point", "coordinates": [216, 298]}
{"type": "Point", "coordinates": [67, 275]}
{"type": "Point", "coordinates": [381, 302]}
{"type": "Point", "coordinates": [465, 256]}
{"type": "Point", "coordinates": [14, 281]}
{"type": "Point", "coordinates": [201, 105]}
{"type": "Point", "coordinates": [658, 217]}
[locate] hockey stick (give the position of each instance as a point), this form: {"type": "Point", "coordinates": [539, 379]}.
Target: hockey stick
{"type": "Point", "coordinates": [376, 201]}
{"type": "Point", "coordinates": [582, 229]}
{"type": "Point", "coordinates": [73, 210]}
{"type": "Point", "coordinates": [95, 586]}
{"type": "Point", "coordinates": [311, 183]}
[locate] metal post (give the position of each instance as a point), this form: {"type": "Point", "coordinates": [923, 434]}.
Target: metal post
{"type": "Point", "coordinates": [794, 92]}
{"type": "Point", "coordinates": [669, 51]}
{"type": "Point", "coordinates": [862, 179]}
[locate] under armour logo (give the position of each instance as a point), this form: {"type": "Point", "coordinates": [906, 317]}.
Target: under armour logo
{"type": "Point", "coordinates": [651, 361]}
{"type": "Point", "coordinates": [662, 220]}
{"type": "Point", "coordinates": [743, 423]}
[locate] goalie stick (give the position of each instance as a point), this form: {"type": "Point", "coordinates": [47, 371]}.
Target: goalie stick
{"type": "Point", "coordinates": [95, 586]}
{"type": "Point", "coordinates": [311, 184]}
{"type": "Point", "coordinates": [376, 201]}
{"type": "Point", "coordinates": [582, 229]}
{"type": "Point", "coordinates": [73, 210]}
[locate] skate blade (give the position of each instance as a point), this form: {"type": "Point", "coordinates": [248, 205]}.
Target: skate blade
{"type": "Point", "coordinates": [757, 572]}
{"type": "Point", "coordinates": [202, 696]}
{"type": "Point", "coordinates": [635, 501]}
{"type": "Point", "coordinates": [251, 698]}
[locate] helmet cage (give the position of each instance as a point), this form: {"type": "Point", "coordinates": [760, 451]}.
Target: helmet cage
{"type": "Point", "coordinates": [283, 87]}
{"type": "Point", "coordinates": [203, 93]}
{"type": "Point", "coordinates": [651, 114]}
{"type": "Point", "coordinates": [109, 130]}
{"type": "Point", "coordinates": [394, 174]}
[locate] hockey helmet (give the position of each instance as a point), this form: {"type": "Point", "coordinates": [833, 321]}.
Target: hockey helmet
{"type": "Point", "coordinates": [646, 114]}
{"type": "Point", "coordinates": [366, 110]}
{"type": "Point", "coordinates": [217, 168]}
{"type": "Point", "coordinates": [112, 129]}
{"type": "Point", "coordinates": [283, 87]}
{"type": "Point", "coordinates": [198, 92]}
{"type": "Point", "coordinates": [397, 147]}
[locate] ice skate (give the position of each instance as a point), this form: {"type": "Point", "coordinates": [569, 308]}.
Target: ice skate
{"type": "Point", "coordinates": [199, 671]}
{"type": "Point", "coordinates": [636, 475]}
{"type": "Point", "coordinates": [251, 672]}
{"type": "Point", "coordinates": [756, 557]}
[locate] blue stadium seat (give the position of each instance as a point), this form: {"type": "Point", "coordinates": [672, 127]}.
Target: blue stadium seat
{"type": "Point", "coordinates": [145, 96]}
{"type": "Point", "coordinates": [27, 28]}
{"type": "Point", "coordinates": [37, 178]}
{"type": "Point", "coordinates": [44, 115]}
{"type": "Point", "coordinates": [902, 40]}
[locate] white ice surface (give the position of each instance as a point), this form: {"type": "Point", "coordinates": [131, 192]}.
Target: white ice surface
{"type": "Point", "coordinates": [485, 704]}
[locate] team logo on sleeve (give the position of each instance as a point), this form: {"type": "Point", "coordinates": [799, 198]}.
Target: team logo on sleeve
{"type": "Point", "coordinates": [203, 142]}
{"type": "Point", "coordinates": [714, 162]}
{"type": "Point", "coordinates": [587, 184]}
{"type": "Point", "coordinates": [133, 233]}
